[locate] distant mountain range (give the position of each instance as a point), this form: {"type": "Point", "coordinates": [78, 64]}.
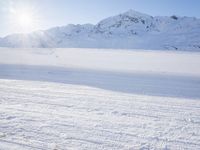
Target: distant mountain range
{"type": "Point", "coordinates": [129, 30]}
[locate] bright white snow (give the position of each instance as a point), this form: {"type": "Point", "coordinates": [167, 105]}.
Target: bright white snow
{"type": "Point", "coordinates": [99, 99]}
{"type": "Point", "coordinates": [43, 115]}
{"type": "Point", "coordinates": [127, 61]}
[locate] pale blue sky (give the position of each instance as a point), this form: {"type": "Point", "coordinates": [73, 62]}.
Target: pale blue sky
{"type": "Point", "coordinates": [50, 13]}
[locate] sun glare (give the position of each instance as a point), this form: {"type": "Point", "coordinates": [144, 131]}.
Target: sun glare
{"type": "Point", "coordinates": [25, 20]}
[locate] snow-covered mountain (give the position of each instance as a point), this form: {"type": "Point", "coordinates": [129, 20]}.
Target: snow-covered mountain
{"type": "Point", "coordinates": [125, 31]}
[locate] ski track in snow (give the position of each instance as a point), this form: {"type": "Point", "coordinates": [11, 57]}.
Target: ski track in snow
{"type": "Point", "coordinates": [45, 107]}
{"type": "Point", "coordinates": [43, 115]}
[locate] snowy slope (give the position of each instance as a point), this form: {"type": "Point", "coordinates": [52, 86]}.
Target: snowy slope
{"type": "Point", "coordinates": [61, 99]}
{"type": "Point", "coordinates": [42, 115]}
{"type": "Point", "coordinates": [111, 60]}
{"type": "Point", "coordinates": [127, 30]}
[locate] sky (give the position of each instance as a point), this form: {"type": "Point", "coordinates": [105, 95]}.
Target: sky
{"type": "Point", "coordinates": [23, 16]}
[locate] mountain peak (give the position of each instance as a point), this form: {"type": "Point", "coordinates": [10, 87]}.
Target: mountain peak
{"type": "Point", "coordinates": [130, 29]}
{"type": "Point", "coordinates": [134, 13]}
{"type": "Point", "coordinates": [126, 18]}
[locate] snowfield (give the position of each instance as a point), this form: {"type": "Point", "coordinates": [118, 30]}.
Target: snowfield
{"type": "Point", "coordinates": [64, 99]}
{"type": "Point", "coordinates": [44, 115]}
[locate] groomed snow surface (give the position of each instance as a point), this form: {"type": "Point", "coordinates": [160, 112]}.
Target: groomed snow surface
{"type": "Point", "coordinates": [62, 99]}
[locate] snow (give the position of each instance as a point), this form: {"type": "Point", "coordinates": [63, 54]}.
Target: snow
{"type": "Point", "coordinates": [127, 61]}
{"type": "Point", "coordinates": [44, 115]}
{"type": "Point", "coordinates": [99, 99]}
{"type": "Point", "coordinates": [129, 30]}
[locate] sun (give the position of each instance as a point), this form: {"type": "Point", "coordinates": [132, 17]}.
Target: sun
{"type": "Point", "coordinates": [25, 20]}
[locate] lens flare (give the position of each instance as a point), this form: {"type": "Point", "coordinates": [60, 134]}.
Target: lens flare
{"type": "Point", "coordinates": [24, 18]}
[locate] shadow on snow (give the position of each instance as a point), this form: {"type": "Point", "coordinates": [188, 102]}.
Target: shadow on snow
{"type": "Point", "coordinates": [135, 83]}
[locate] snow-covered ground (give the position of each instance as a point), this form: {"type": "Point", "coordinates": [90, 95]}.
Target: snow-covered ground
{"type": "Point", "coordinates": [44, 115]}
{"type": "Point", "coordinates": [99, 99]}
{"type": "Point", "coordinates": [112, 60]}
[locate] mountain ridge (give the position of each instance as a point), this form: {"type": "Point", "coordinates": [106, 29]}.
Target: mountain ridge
{"type": "Point", "coordinates": [129, 30]}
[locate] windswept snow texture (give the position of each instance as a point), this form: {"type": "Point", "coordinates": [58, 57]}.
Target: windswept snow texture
{"type": "Point", "coordinates": [62, 99]}
{"type": "Point", "coordinates": [129, 30]}
{"type": "Point", "coordinates": [43, 115]}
